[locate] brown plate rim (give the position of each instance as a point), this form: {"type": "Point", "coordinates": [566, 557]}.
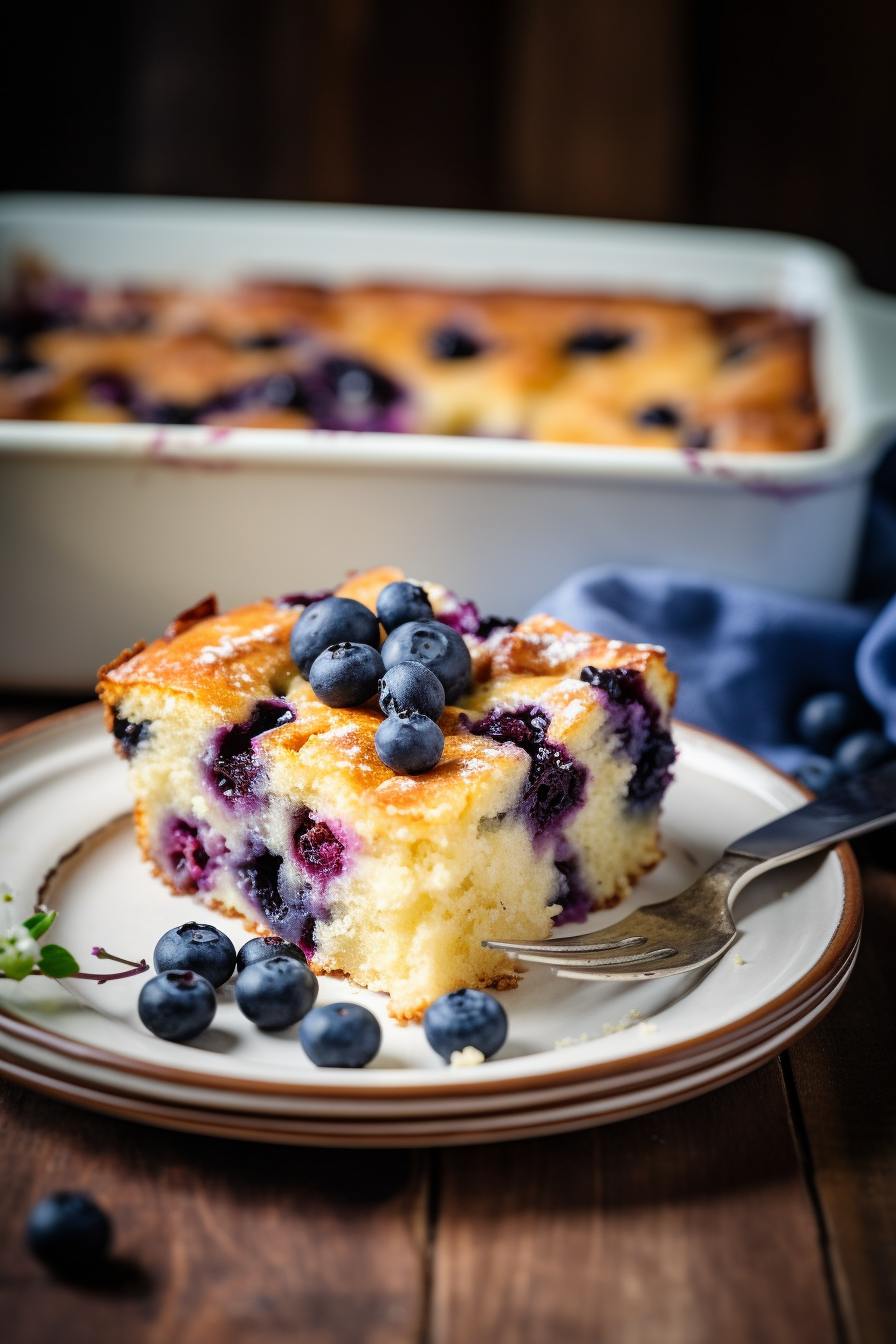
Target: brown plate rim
{"type": "Point", "coordinates": [249, 1128]}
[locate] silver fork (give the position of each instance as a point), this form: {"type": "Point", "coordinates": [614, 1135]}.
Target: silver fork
{"type": "Point", "coordinates": [695, 927]}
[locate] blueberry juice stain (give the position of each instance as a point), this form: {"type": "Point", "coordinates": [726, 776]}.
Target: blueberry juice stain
{"type": "Point", "coordinates": [232, 770]}
{"type": "Point", "coordinates": [194, 852]}
{"type": "Point", "coordinates": [555, 785]}
{"type": "Point", "coordinates": [635, 718]}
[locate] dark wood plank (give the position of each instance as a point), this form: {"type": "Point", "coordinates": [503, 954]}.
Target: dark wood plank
{"type": "Point", "coordinates": [846, 1084]}
{"type": "Point", "coordinates": [219, 1242]}
{"type": "Point", "coordinates": [595, 117]}
{"type": "Point", "coordinates": [691, 1226]}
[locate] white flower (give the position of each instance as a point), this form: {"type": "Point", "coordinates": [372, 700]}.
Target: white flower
{"type": "Point", "coordinates": [18, 952]}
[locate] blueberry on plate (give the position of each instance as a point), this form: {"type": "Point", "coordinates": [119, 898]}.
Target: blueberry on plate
{"type": "Point", "coordinates": [346, 674]}
{"type": "Point", "coordinates": [409, 744]}
{"type": "Point", "coordinates": [196, 947]}
{"type": "Point", "coordinates": [862, 751]}
{"type": "Point", "coordinates": [465, 1017]}
{"type": "Point", "coordinates": [262, 949]}
{"type": "Point", "coordinates": [277, 993]}
{"type": "Point", "coordinates": [340, 1036]}
{"type": "Point", "coordinates": [826, 719]}
{"type": "Point", "coordinates": [401, 602]}
{"type": "Point", "coordinates": [334, 620]}
{"type": "Point", "coordinates": [817, 773]}
{"type": "Point", "coordinates": [177, 1005]}
{"type": "Point", "coordinates": [438, 647]}
{"type": "Point", "coordinates": [409, 688]}
{"type": "Point", "coordinates": [68, 1231]}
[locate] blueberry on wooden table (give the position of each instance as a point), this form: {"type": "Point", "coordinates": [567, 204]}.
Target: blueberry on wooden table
{"type": "Point", "coordinates": [68, 1231]}
{"type": "Point", "coordinates": [400, 602]}
{"type": "Point", "coordinates": [465, 1017]}
{"type": "Point", "coordinates": [177, 1005]}
{"type": "Point", "coordinates": [340, 1036]}
{"type": "Point", "coordinates": [438, 647]}
{"type": "Point", "coordinates": [333, 620]}
{"type": "Point", "coordinates": [409, 744]}
{"type": "Point", "coordinates": [277, 993]}
{"type": "Point", "coordinates": [196, 947]}
{"type": "Point", "coordinates": [346, 674]}
{"type": "Point", "coordinates": [409, 688]}
{"type": "Point", "coordinates": [263, 949]}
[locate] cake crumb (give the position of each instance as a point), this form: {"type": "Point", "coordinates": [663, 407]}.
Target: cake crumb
{"type": "Point", "coordinates": [627, 1020]}
{"type": "Point", "coordinates": [738, 960]}
{"type": "Point", "coordinates": [784, 895]}
{"type": "Point", "coordinates": [466, 1058]}
{"type": "Point", "coordinates": [648, 1028]}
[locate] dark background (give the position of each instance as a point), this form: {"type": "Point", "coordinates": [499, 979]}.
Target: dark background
{"type": "Point", "coordinates": [774, 114]}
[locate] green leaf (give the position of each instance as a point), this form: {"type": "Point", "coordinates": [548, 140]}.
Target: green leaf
{"type": "Point", "coordinates": [56, 962]}
{"type": "Point", "coordinates": [38, 924]}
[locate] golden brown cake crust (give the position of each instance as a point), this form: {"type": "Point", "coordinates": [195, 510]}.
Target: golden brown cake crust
{"type": "Point", "coordinates": [661, 373]}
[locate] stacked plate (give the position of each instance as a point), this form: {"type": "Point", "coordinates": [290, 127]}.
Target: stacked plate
{"type": "Point", "coordinates": [577, 1054]}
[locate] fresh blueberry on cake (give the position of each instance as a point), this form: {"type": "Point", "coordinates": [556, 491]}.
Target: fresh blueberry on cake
{"type": "Point", "coordinates": [383, 844]}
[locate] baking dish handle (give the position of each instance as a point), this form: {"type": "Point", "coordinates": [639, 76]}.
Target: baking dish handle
{"type": "Point", "coordinates": [875, 316]}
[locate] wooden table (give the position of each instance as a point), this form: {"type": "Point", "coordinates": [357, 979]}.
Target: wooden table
{"type": "Point", "coordinates": [763, 1212]}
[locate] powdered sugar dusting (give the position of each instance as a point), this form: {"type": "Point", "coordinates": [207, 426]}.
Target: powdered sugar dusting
{"type": "Point", "coordinates": [229, 647]}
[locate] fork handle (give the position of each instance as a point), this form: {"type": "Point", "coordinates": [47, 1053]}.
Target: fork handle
{"type": "Point", "coordinates": [864, 803]}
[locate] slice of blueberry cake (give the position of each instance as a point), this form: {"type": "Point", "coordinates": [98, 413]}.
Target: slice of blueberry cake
{"type": "Point", "coordinates": [389, 845]}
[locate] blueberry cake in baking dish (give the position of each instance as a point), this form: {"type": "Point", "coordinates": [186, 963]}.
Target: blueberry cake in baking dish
{"type": "Point", "coordinates": [590, 369]}
{"type": "Point", "coordinates": [265, 800]}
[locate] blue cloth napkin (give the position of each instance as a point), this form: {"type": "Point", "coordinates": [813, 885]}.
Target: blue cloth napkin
{"type": "Point", "coordinates": [749, 656]}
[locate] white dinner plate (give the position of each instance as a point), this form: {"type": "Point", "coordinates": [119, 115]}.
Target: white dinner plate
{"type": "Point", "coordinates": [65, 838]}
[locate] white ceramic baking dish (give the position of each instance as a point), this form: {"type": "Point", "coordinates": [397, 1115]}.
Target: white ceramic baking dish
{"type": "Point", "coordinates": [109, 530]}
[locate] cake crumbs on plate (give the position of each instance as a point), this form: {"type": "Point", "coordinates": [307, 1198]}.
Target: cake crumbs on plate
{"type": "Point", "coordinates": [467, 1058]}
{"type": "Point", "coordinates": [738, 959]}
{"type": "Point", "coordinates": [609, 1029]}
{"type": "Point", "coordinates": [648, 1028]}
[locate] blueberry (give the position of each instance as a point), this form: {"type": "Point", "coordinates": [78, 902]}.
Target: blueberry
{"type": "Point", "coordinates": [340, 1036]}
{"type": "Point", "coordinates": [465, 1017]}
{"type": "Point", "coordinates": [177, 1005]}
{"type": "Point", "coordinates": [334, 620]}
{"type": "Point", "coordinates": [862, 751]}
{"type": "Point", "coordinates": [409, 744]}
{"type": "Point", "coordinates": [597, 341]}
{"type": "Point", "coordinates": [660, 416]}
{"type": "Point", "coordinates": [263, 340]}
{"type": "Point", "coordinates": [824, 720]}
{"type": "Point", "coordinates": [196, 947]}
{"type": "Point", "coordinates": [263, 949]}
{"type": "Point", "coordinates": [818, 773]}
{"type": "Point", "coordinates": [438, 647]}
{"type": "Point", "coordinates": [412, 688]}
{"type": "Point", "coordinates": [276, 993]}
{"type": "Point", "coordinates": [68, 1231]}
{"type": "Point", "coordinates": [453, 343]}
{"type": "Point", "coordinates": [401, 602]}
{"type": "Point", "coordinates": [346, 674]}
{"type": "Point", "coordinates": [130, 735]}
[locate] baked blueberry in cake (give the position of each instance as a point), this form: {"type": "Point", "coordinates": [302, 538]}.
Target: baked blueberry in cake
{"type": "Point", "coordinates": [256, 797]}
{"type": "Point", "coordinates": [573, 368]}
